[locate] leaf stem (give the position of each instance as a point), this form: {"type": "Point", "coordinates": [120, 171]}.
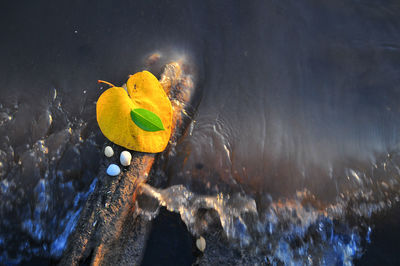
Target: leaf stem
{"type": "Point", "coordinates": [105, 82]}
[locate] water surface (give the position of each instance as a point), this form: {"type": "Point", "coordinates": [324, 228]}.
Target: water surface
{"type": "Point", "coordinates": [298, 113]}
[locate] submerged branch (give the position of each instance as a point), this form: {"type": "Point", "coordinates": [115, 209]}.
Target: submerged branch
{"type": "Point", "coordinates": [107, 232]}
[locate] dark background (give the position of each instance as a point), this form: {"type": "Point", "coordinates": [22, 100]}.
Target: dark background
{"type": "Point", "coordinates": [295, 84]}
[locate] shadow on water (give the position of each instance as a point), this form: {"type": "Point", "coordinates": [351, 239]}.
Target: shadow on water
{"type": "Point", "coordinates": [175, 247]}
{"type": "Point", "coordinates": [299, 113]}
{"type": "Point", "coordinates": [383, 246]}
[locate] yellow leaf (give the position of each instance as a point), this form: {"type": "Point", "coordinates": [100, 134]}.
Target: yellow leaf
{"type": "Point", "coordinates": [114, 113]}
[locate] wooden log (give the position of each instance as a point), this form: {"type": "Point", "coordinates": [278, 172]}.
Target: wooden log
{"type": "Point", "coordinates": [107, 233]}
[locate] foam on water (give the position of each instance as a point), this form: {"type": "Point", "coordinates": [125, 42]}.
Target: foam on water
{"type": "Point", "coordinates": [300, 230]}
{"type": "Point", "coordinates": [44, 177]}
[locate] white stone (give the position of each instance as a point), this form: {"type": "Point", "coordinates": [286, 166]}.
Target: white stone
{"type": "Point", "coordinates": [125, 158]}
{"type": "Point", "coordinates": [201, 244]}
{"type": "Point", "coordinates": [108, 151]}
{"type": "Point", "coordinates": [113, 170]}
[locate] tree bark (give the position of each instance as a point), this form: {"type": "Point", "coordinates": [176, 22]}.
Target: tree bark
{"type": "Point", "coordinates": [107, 232]}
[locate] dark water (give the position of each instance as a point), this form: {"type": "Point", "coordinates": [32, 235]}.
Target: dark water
{"type": "Point", "coordinates": [299, 113]}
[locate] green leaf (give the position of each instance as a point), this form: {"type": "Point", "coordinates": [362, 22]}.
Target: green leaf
{"type": "Point", "coordinates": [146, 120]}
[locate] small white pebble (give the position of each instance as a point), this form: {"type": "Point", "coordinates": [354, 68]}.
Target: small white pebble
{"type": "Point", "coordinates": [201, 244]}
{"type": "Point", "coordinates": [113, 170]}
{"type": "Point", "coordinates": [125, 158]}
{"type": "Point", "coordinates": [108, 151]}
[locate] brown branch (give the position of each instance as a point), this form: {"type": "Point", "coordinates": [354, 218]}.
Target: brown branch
{"type": "Point", "coordinates": [106, 222]}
